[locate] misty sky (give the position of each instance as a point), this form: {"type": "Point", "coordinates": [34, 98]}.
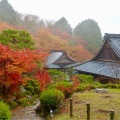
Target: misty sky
{"type": "Point", "coordinates": [105, 12]}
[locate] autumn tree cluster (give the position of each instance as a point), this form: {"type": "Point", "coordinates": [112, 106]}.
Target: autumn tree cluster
{"type": "Point", "coordinates": [87, 33]}
{"type": "Point", "coordinates": [46, 41]}
{"type": "Point", "coordinates": [19, 62]}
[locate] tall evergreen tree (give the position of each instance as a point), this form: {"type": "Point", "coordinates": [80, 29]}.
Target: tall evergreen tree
{"type": "Point", "coordinates": [63, 25]}
{"type": "Point", "coordinates": [7, 13]}
{"type": "Point", "coordinates": [90, 32]}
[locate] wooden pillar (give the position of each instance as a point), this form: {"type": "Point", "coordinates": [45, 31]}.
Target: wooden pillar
{"type": "Point", "coordinates": [71, 107]}
{"type": "Point", "coordinates": [88, 111]}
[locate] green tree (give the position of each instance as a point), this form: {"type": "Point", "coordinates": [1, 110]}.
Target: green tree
{"type": "Point", "coordinates": [7, 13]}
{"type": "Point", "coordinates": [16, 39]}
{"type": "Point", "coordinates": [63, 25]}
{"type": "Point", "coordinates": [89, 31]}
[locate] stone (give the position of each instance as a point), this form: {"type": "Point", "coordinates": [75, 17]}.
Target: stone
{"type": "Point", "coordinates": [101, 90]}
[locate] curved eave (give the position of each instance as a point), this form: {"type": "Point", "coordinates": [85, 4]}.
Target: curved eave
{"type": "Point", "coordinates": [52, 66]}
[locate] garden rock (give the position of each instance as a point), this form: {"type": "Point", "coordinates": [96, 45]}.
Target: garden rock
{"type": "Point", "coordinates": [101, 90]}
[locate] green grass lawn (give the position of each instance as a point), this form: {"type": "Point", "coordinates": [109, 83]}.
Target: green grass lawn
{"type": "Point", "coordinates": [101, 104]}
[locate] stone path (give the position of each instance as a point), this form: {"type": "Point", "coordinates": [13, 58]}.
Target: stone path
{"type": "Point", "coordinates": [26, 113]}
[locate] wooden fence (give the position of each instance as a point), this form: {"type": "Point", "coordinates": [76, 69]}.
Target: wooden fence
{"type": "Point", "coordinates": [112, 114]}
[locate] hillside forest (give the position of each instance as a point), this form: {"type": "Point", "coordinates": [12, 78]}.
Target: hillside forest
{"type": "Point", "coordinates": [81, 42]}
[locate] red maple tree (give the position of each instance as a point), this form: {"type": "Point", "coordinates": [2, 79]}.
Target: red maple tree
{"type": "Point", "coordinates": [13, 63]}
{"type": "Point", "coordinates": [43, 79]}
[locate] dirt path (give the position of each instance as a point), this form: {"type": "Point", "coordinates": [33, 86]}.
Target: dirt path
{"type": "Point", "coordinates": [26, 113]}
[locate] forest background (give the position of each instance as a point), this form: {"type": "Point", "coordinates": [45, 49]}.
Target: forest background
{"type": "Point", "coordinates": [81, 42]}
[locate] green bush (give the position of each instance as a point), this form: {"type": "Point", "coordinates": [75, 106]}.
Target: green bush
{"type": "Point", "coordinates": [51, 86]}
{"type": "Point", "coordinates": [81, 88]}
{"type": "Point", "coordinates": [51, 99]}
{"type": "Point", "coordinates": [23, 102]}
{"type": "Point", "coordinates": [28, 92]}
{"type": "Point", "coordinates": [5, 113]}
{"type": "Point", "coordinates": [119, 86]}
{"type": "Point", "coordinates": [88, 86]}
{"type": "Point", "coordinates": [32, 87]}
{"type": "Point", "coordinates": [57, 75]}
{"type": "Point", "coordinates": [85, 78]}
{"type": "Point", "coordinates": [19, 95]}
{"type": "Point", "coordinates": [111, 85]}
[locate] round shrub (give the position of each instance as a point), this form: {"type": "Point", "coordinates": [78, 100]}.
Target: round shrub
{"type": "Point", "coordinates": [5, 113]}
{"type": "Point", "coordinates": [51, 99]}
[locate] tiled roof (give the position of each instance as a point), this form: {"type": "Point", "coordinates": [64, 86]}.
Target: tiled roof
{"type": "Point", "coordinates": [114, 41]}
{"type": "Point", "coordinates": [105, 68]}
{"type": "Point", "coordinates": [56, 60]}
{"type": "Point", "coordinates": [100, 68]}
{"type": "Point", "coordinates": [53, 66]}
{"type": "Point", "coordinates": [53, 57]}
{"type": "Point", "coordinates": [115, 45]}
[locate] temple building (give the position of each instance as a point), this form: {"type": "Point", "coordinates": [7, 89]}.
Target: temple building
{"type": "Point", "coordinates": [105, 65]}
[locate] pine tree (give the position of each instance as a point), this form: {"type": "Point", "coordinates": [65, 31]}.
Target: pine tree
{"type": "Point", "coordinates": [63, 25]}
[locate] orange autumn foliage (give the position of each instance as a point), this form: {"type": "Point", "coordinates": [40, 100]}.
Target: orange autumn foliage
{"type": "Point", "coordinates": [79, 53]}
{"type": "Point", "coordinates": [13, 64]}
{"type": "Point", "coordinates": [4, 25]}
{"type": "Point", "coordinates": [43, 79]}
{"type": "Point", "coordinates": [46, 41]}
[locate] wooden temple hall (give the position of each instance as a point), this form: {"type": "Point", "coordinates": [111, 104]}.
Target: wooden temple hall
{"type": "Point", "coordinates": [58, 59]}
{"type": "Point", "coordinates": [105, 66]}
